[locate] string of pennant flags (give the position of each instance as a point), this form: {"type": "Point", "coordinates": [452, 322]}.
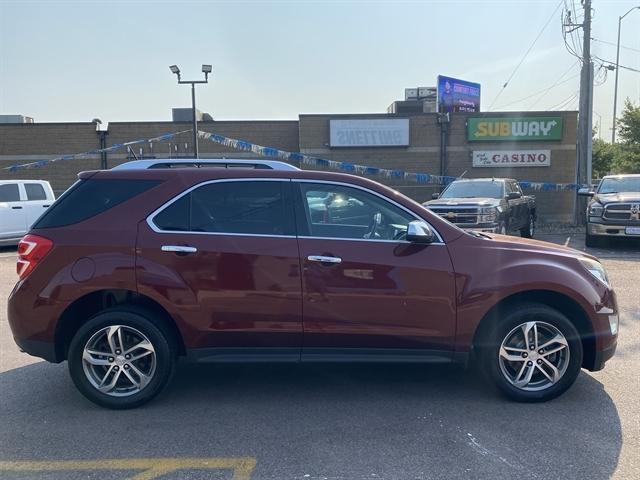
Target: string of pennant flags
{"type": "Point", "coordinates": [292, 157]}
{"type": "Point", "coordinates": [79, 156]}
{"type": "Point", "coordinates": [300, 158]}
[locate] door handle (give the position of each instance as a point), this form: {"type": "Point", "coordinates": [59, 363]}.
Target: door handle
{"type": "Point", "coordinates": [179, 249]}
{"type": "Point", "coordinates": [323, 259]}
{"type": "Point", "coordinates": [16, 208]}
{"type": "Point", "coordinates": [45, 206]}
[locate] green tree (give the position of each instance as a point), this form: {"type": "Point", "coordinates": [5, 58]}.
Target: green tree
{"type": "Point", "coordinates": [628, 124]}
{"type": "Point", "coordinates": [603, 157]}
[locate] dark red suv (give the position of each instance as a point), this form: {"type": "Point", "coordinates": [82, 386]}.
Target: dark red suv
{"type": "Point", "coordinates": [131, 269]}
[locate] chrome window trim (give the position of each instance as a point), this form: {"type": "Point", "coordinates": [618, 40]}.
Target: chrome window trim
{"type": "Point", "coordinates": [365, 189]}
{"type": "Point", "coordinates": [168, 203]}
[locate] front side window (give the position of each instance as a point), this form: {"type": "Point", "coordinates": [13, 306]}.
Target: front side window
{"type": "Point", "coordinates": [9, 192]}
{"type": "Point", "coordinates": [251, 207]}
{"type": "Point", "coordinates": [337, 211]}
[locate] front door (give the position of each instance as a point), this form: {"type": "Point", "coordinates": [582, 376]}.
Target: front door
{"type": "Point", "coordinates": [364, 287]}
{"type": "Point", "coordinates": [225, 257]}
{"type": "Point", "coordinates": [13, 223]}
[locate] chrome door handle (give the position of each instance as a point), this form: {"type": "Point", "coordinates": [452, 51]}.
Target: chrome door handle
{"type": "Point", "coordinates": [179, 249]}
{"type": "Point", "coordinates": [323, 259]}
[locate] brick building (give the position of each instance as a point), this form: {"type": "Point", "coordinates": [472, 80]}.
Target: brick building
{"type": "Point", "coordinates": [476, 144]}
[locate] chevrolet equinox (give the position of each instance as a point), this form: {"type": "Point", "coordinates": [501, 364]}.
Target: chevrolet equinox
{"type": "Point", "coordinates": [132, 268]}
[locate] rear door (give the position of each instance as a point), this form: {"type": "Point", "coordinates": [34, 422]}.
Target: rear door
{"type": "Point", "coordinates": [366, 291]}
{"type": "Point", "coordinates": [36, 201]}
{"type": "Point", "coordinates": [13, 223]}
{"type": "Point", "coordinates": [223, 257]}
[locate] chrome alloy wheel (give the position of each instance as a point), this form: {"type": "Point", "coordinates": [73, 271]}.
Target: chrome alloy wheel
{"type": "Point", "coordinates": [119, 360]}
{"type": "Point", "coordinates": [534, 356]}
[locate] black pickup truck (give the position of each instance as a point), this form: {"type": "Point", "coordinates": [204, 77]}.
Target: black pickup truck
{"type": "Point", "coordinates": [614, 209]}
{"type": "Point", "coordinates": [488, 205]}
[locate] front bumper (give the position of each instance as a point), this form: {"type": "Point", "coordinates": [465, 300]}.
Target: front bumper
{"type": "Point", "coordinates": [603, 355]}
{"type": "Point", "coordinates": [595, 227]}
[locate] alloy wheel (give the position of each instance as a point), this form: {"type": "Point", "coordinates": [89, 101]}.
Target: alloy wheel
{"type": "Point", "coordinates": [119, 360]}
{"type": "Point", "coordinates": [534, 356]}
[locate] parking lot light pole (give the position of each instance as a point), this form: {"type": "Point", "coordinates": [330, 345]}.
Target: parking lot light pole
{"type": "Point", "coordinates": [615, 89]}
{"type": "Point", "coordinates": [206, 69]}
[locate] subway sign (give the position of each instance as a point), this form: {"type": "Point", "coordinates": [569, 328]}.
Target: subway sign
{"type": "Point", "coordinates": [497, 129]}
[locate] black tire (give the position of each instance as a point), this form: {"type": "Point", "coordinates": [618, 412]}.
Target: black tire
{"type": "Point", "coordinates": [135, 320]}
{"type": "Point", "coordinates": [489, 342]}
{"type": "Point", "coordinates": [529, 230]}
{"type": "Point", "coordinates": [593, 241]}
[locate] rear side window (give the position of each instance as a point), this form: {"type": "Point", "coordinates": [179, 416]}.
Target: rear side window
{"type": "Point", "coordinates": [35, 191]}
{"type": "Point", "coordinates": [88, 198]}
{"type": "Point", "coordinates": [9, 192]}
{"type": "Point", "coordinates": [248, 207]}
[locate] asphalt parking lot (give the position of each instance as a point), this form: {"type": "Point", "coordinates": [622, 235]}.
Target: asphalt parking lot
{"type": "Point", "coordinates": [328, 421]}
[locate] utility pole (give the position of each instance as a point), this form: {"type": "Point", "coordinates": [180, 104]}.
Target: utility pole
{"type": "Point", "coordinates": [585, 115]}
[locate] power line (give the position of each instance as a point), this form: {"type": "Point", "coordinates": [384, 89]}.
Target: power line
{"type": "Point", "coordinates": [621, 66]}
{"type": "Point", "coordinates": [558, 82]}
{"type": "Point", "coordinates": [565, 102]}
{"type": "Point", "coordinates": [615, 45]}
{"type": "Point", "coordinates": [544, 90]}
{"type": "Point", "coordinates": [526, 54]}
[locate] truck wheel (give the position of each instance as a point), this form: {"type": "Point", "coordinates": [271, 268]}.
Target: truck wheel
{"type": "Point", "coordinates": [532, 354]}
{"type": "Point", "coordinates": [593, 241]}
{"type": "Point", "coordinates": [530, 229]}
{"type": "Point", "coordinates": [120, 359]}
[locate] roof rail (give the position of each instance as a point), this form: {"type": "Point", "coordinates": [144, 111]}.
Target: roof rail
{"type": "Point", "coordinates": [205, 163]}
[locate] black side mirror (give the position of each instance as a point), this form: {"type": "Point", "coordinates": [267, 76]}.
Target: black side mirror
{"type": "Point", "coordinates": [435, 195]}
{"type": "Point", "coordinates": [514, 196]}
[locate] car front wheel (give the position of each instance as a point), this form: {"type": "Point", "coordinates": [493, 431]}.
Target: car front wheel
{"type": "Point", "coordinates": [120, 359]}
{"type": "Point", "coordinates": [533, 354]}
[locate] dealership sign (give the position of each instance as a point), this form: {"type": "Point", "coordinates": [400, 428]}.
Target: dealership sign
{"type": "Point", "coordinates": [512, 158]}
{"type": "Point", "coordinates": [369, 133]}
{"type": "Point", "coordinates": [514, 128]}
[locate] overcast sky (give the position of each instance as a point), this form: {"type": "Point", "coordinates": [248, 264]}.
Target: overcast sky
{"type": "Point", "coordinates": [77, 60]}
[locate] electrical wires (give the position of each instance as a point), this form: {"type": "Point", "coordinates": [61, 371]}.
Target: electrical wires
{"type": "Point", "coordinates": [524, 57]}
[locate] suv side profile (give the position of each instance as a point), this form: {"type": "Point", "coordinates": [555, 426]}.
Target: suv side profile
{"type": "Point", "coordinates": [132, 268]}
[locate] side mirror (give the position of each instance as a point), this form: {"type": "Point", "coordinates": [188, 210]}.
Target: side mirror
{"type": "Point", "coordinates": [435, 196]}
{"type": "Point", "coordinates": [420, 232]}
{"type": "Point", "coordinates": [585, 192]}
{"type": "Point", "coordinates": [514, 196]}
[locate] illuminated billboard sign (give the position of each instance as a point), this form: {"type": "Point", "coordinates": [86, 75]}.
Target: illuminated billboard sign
{"type": "Point", "coordinates": [456, 95]}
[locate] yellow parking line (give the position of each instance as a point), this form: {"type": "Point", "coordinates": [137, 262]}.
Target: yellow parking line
{"type": "Point", "coordinates": [151, 467]}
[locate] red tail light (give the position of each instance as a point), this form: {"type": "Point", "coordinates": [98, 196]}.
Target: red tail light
{"type": "Point", "coordinates": [31, 249]}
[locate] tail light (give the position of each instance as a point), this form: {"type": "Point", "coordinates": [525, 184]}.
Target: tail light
{"type": "Point", "coordinates": [31, 250]}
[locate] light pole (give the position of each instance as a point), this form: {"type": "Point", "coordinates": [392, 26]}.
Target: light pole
{"type": "Point", "coordinates": [615, 92]}
{"type": "Point", "coordinates": [206, 69]}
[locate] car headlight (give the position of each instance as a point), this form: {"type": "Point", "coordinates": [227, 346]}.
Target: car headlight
{"type": "Point", "coordinates": [596, 269]}
{"type": "Point", "coordinates": [595, 209]}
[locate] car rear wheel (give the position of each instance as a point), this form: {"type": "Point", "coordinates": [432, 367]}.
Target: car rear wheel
{"type": "Point", "coordinates": [533, 354]}
{"type": "Point", "coordinates": [530, 229]}
{"type": "Point", "coordinates": [120, 359]}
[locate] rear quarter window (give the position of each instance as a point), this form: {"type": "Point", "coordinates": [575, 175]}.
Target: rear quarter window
{"type": "Point", "coordinates": [89, 198]}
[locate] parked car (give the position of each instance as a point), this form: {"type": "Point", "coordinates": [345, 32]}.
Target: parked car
{"type": "Point", "coordinates": [487, 205]}
{"type": "Point", "coordinates": [614, 209]}
{"type": "Point", "coordinates": [133, 268]}
{"type": "Point", "coordinates": [21, 203]}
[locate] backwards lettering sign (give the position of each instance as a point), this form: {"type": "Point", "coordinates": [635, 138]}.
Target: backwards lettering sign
{"type": "Point", "coordinates": [369, 133]}
{"type": "Point", "coordinates": [514, 129]}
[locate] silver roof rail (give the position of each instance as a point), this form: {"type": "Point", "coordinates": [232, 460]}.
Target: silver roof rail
{"type": "Point", "coordinates": [204, 163]}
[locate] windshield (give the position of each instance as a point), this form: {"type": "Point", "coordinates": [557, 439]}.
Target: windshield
{"type": "Point", "coordinates": [474, 190]}
{"type": "Point", "coordinates": [615, 185]}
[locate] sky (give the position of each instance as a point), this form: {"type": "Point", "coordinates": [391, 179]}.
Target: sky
{"type": "Point", "coordinates": [75, 60]}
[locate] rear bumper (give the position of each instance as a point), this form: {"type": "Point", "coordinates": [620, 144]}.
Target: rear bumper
{"type": "Point", "coordinates": [37, 348]}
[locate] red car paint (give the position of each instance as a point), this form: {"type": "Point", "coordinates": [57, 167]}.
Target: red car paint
{"type": "Point", "coordinates": [259, 292]}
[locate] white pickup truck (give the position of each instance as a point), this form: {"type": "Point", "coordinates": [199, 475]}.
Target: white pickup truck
{"type": "Point", "coordinates": [21, 203]}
